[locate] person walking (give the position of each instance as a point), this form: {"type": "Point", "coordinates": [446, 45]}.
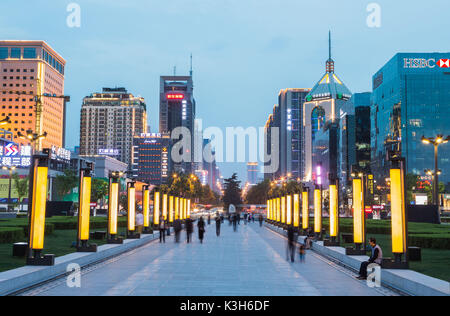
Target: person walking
{"type": "Point", "coordinates": [376, 257]}
{"type": "Point", "coordinates": [177, 228]}
{"type": "Point", "coordinates": [201, 229]}
{"type": "Point", "coordinates": [302, 253]}
{"type": "Point", "coordinates": [261, 219]}
{"type": "Point", "coordinates": [245, 218]}
{"type": "Point", "coordinates": [140, 222]}
{"type": "Point", "coordinates": [162, 231]}
{"type": "Point", "coordinates": [290, 250]}
{"type": "Point", "coordinates": [189, 229]}
{"type": "Point", "coordinates": [218, 223]}
{"type": "Point", "coordinates": [235, 222]}
{"type": "Point", "coordinates": [209, 219]}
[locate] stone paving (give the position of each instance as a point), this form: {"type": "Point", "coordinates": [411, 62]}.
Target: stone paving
{"type": "Point", "coordinates": [250, 262]}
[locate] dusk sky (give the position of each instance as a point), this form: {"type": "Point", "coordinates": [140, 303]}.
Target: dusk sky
{"type": "Point", "coordinates": [244, 51]}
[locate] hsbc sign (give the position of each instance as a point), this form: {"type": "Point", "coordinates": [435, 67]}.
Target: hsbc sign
{"type": "Point", "coordinates": [422, 63]}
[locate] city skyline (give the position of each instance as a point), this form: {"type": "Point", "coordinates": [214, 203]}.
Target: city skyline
{"type": "Point", "coordinates": [221, 55]}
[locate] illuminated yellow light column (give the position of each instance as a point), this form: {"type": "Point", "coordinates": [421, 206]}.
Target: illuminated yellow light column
{"type": "Point", "coordinates": [268, 209]}
{"type": "Point", "coordinates": [177, 208]}
{"type": "Point", "coordinates": [37, 200]}
{"type": "Point", "coordinates": [283, 210]}
{"type": "Point", "coordinates": [164, 207]}
{"type": "Point", "coordinates": [296, 210]}
{"type": "Point", "coordinates": [358, 212]}
{"type": "Point", "coordinates": [184, 208]}
{"type": "Point", "coordinates": [273, 209]}
{"type": "Point", "coordinates": [156, 208]}
{"type": "Point", "coordinates": [398, 218]}
{"type": "Point", "coordinates": [131, 192]}
{"type": "Point", "coordinates": [188, 208]}
{"type": "Point", "coordinates": [113, 207]}
{"type": "Point", "coordinates": [317, 211]}
{"type": "Point", "coordinates": [171, 209]}
{"type": "Point", "coordinates": [278, 210]}
{"type": "Point", "coordinates": [84, 208]}
{"type": "Point", "coordinates": [146, 206]}
{"type": "Point", "coordinates": [38, 208]}
{"type": "Point", "coordinates": [305, 210]}
{"type": "Point", "coordinates": [289, 209]}
{"type": "Point", "coordinates": [334, 211]}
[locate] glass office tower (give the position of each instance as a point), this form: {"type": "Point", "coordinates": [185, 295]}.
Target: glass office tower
{"type": "Point", "coordinates": [411, 98]}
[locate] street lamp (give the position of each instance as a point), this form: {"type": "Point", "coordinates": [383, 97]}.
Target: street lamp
{"type": "Point", "coordinates": [438, 140]}
{"type": "Point", "coordinates": [5, 121]}
{"type": "Point", "coordinates": [11, 169]}
{"type": "Point", "coordinates": [32, 137]}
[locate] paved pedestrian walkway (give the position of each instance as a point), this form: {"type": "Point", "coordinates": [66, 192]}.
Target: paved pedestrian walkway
{"type": "Point", "coordinates": [250, 262]}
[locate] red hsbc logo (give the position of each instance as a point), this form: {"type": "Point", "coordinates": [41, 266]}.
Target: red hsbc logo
{"type": "Point", "coordinates": [443, 63]}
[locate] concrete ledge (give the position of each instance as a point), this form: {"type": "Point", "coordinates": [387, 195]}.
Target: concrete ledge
{"type": "Point", "coordinates": [18, 279]}
{"type": "Point", "coordinates": [407, 281]}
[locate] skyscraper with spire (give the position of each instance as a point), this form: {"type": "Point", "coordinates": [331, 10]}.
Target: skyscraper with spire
{"type": "Point", "coordinates": [321, 123]}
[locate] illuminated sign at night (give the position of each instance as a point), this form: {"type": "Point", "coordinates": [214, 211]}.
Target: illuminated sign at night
{"type": "Point", "coordinates": [175, 96]}
{"type": "Point", "coordinates": [108, 152]}
{"type": "Point", "coordinates": [60, 154]}
{"type": "Point", "coordinates": [13, 156]}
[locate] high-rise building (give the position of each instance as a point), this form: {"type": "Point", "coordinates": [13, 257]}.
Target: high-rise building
{"type": "Point", "coordinates": [32, 91]}
{"type": "Point", "coordinates": [271, 144]}
{"type": "Point", "coordinates": [151, 158]}
{"type": "Point", "coordinates": [109, 122]}
{"type": "Point", "coordinates": [177, 109]}
{"type": "Point", "coordinates": [321, 111]}
{"type": "Point", "coordinates": [287, 116]}
{"type": "Point", "coordinates": [252, 173]}
{"type": "Point", "coordinates": [290, 102]}
{"type": "Point", "coordinates": [411, 99]}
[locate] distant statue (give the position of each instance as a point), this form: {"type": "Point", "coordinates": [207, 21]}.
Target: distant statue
{"type": "Point", "coordinates": [232, 209]}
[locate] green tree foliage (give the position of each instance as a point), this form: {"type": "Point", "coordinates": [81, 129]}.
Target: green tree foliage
{"type": "Point", "coordinates": [66, 182]}
{"type": "Point", "coordinates": [21, 186]}
{"type": "Point", "coordinates": [232, 194]}
{"type": "Point", "coordinates": [258, 194]}
{"type": "Point", "coordinates": [99, 189]}
{"type": "Point", "coordinates": [208, 196]}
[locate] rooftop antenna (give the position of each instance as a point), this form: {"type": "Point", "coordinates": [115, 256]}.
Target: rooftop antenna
{"type": "Point", "coordinates": [330, 61]}
{"type": "Point", "coordinates": [191, 72]}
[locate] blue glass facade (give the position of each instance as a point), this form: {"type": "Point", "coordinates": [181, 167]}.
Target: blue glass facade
{"type": "Point", "coordinates": [411, 98]}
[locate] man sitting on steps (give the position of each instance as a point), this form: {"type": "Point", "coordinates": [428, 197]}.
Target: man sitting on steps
{"type": "Point", "coordinates": [377, 257]}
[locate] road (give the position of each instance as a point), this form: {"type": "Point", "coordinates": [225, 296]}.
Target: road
{"type": "Point", "coordinates": [249, 262]}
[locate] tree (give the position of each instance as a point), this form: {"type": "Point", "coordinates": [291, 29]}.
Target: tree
{"type": "Point", "coordinates": [66, 182]}
{"type": "Point", "coordinates": [99, 189]}
{"type": "Point", "coordinates": [21, 187]}
{"type": "Point", "coordinates": [411, 184]}
{"type": "Point", "coordinates": [232, 194]}
{"type": "Point", "coordinates": [259, 193]}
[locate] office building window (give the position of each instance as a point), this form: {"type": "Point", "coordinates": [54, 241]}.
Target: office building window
{"type": "Point", "coordinates": [29, 52]}
{"type": "Point", "coordinates": [15, 52]}
{"type": "Point", "coordinates": [3, 52]}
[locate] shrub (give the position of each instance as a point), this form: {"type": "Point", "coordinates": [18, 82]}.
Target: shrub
{"type": "Point", "coordinates": [433, 241]}
{"type": "Point", "coordinates": [11, 234]}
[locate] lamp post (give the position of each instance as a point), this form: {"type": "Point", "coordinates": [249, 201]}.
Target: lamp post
{"type": "Point", "coordinates": [438, 140]}
{"type": "Point", "coordinates": [33, 137]}
{"type": "Point", "coordinates": [113, 207]}
{"type": "Point", "coordinates": [37, 197]}
{"type": "Point", "coordinates": [84, 209]}
{"type": "Point", "coordinates": [10, 169]}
